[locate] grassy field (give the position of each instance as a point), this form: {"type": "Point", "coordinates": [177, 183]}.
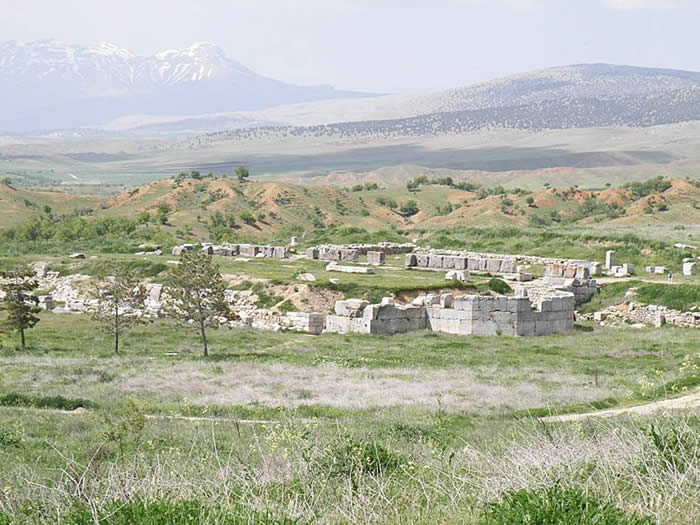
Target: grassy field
{"type": "Point", "coordinates": [291, 428]}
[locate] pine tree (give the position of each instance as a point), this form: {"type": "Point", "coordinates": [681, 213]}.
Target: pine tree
{"type": "Point", "coordinates": [19, 303]}
{"type": "Point", "coordinates": [119, 294]}
{"type": "Point", "coordinates": [197, 293]}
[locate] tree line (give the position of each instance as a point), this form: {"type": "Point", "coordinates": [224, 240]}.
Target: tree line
{"type": "Point", "coordinates": [196, 290]}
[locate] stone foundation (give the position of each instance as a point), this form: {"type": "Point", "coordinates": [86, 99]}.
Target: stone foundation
{"type": "Point", "coordinates": [462, 315]}
{"type": "Point", "coordinates": [492, 265]}
{"type": "Point", "coordinates": [232, 250]}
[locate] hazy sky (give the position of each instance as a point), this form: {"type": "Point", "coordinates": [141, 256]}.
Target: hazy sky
{"type": "Point", "coordinates": [401, 46]}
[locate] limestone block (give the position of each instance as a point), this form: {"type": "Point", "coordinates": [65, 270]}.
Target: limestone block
{"type": "Point", "coordinates": [486, 303]}
{"type": "Point", "coordinates": [422, 260]}
{"type": "Point", "coordinates": [208, 250]}
{"type": "Point", "coordinates": [460, 263]}
{"type": "Point", "coordinates": [628, 269]}
{"type": "Point", "coordinates": [509, 266]}
{"type": "Point", "coordinates": [458, 275]}
{"type": "Point", "coordinates": [472, 263]}
{"type": "Point", "coordinates": [448, 262]}
{"type": "Point", "coordinates": [557, 304]}
{"type": "Point", "coordinates": [596, 268]}
{"type": "Point", "coordinates": [466, 302]}
{"type": "Point", "coordinates": [411, 260]}
{"type": "Point", "coordinates": [371, 312]}
{"type": "Point", "coordinates": [447, 300]}
{"type": "Point", "coordinates": [494, 266]}
{"type": "Point", "coordinates": [609, 259]}
{"type": "Point", "coordinates": [280, 252]}
{"type": "Point", "coordinates": [435, 261]}
{"type": "Point", "coordinates": [690, 268]}
{"type": "Point", "coordinates": [525, 328]}
{"type": "Point", "coordinates": [312, 253]}
{"type": "Point", "coordinates": [349, 255]}
{"type": "Point", "coordinates": [500, 303]}
{"type": "Point", "coordinates": [599, 316]}
{"type": "Point", "coordinates": [306, 277]}
{"type": "Point", "coordinates": [375, 258]}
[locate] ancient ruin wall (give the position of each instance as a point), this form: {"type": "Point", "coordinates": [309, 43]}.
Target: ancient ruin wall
{"type": "Point", "coordinates": [493, 265]}
{"type": "Point", "coordinates": [470, 315]}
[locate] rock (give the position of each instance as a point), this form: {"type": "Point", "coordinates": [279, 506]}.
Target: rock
{"type": "Point", "coordinates": [333, 280]}
{"type": "Point", "coordinates": [458, 275]}
{"type": "Point", "coordinates": [76, 256]}
{"type": "Point", "coordinates": [599, 316]}
{"type": "Point", "coordinates": [41, 269]}
{"type": "Point", "coordinates": [690, 267]}
{"type": "Point", "coordinates": [306, 277]}
{"type": "Point", "coordinates": [333, 267]}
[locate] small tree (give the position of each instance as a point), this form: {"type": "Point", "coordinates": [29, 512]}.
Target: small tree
{"type": "Point", "coordinates": [162, 214]}
{"type": "Point", "coordinates": [197, 293]}
{"type": "Point", "coordinates": [118, 294]}
{"type": "Point", "coordinates": [242, 173]}
{"type": "Point", "coordinates": [19, 303]}
{"type": "Point", "coordinates": [6, 181]}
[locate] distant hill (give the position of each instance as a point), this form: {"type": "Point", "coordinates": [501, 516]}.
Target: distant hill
{"type": "Point", "coordinates": [605, 82]}
{"type": "Point", "coordinates": [276, 209]}
{"type": "Point", "coordinates": [53, 85]}
{"type": "Point", "coordinates": [583, 96]}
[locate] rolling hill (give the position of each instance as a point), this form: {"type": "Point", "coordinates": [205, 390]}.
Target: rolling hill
{"type": "Point", "coordinates": [266, 210]}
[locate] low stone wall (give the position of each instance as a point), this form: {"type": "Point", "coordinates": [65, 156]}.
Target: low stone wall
{"type": "Point", "coordinates": [520, 259]}
{"type": "Point", "coordinates": [353, 252]}
{"type": "Point", "coordinates": [462, 315]}
{"type": "Point", "coordinates": [231, 250]}
{"type": "Point", "coordinates": [492, 265]}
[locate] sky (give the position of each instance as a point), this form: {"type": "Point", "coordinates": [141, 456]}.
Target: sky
{"type": "Point", "coordinates": [388, 46]}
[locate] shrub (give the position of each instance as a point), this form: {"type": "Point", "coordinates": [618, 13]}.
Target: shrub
{"type": "Point", "coordinates": [499, 286]}
{"type": "Point", "coordinates": [349, 457]}
{"type": "Point", "coordinates": [15, 399]}
{"type": "Point", "coordinates": [10, 436]}
{"type": "Point", "coordinates": [556, 505]}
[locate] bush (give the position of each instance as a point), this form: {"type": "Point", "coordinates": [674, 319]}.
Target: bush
{"type": "Point", "coordinates": [15, 399]}
{"type": "Point", "coordinates": [553, 506]}
{"type": "Point", "coordinates": [499, 286]}
{"type": "Point", "coordinates": [349, 457]}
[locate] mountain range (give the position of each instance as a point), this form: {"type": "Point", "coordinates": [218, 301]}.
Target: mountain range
{"type": "Point", "coordinates": [50, 85]}
{"type": "Point", "coordinates": [53, 85]}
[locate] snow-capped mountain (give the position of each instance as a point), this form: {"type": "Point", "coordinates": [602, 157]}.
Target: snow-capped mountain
{"type": "Point", "coordinates": [50, 84]}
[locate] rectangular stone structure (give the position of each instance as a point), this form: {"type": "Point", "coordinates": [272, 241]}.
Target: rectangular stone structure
{"type": "Point", "coordinates": [375, 258]}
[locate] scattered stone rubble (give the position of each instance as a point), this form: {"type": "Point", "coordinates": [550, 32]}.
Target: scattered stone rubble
{"type": "Point", "coordinates": [633, 312]}
{"type": "Point", "coordinates": [571, 278]}
{"type": "Point", "coordinates": [461, 315]}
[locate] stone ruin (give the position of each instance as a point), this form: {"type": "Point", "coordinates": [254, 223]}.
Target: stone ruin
{"type": "Point", "coordinates": [335, 267]}
{"type": "Point", "coordinates": [571, 278]}
{"type": "Point", "coordinates": [232, 250]}
{"type": "Point", "coordinates": [353, 252]}
{"type": "Point", "coordinates": [658, 270]}
{"type": "Point", "coordinates": [632, 312]}
{"type": "Point", "coordinates": [461, 315]}
{"type": "Point", "coordinates": [689, 267]}
{"type": "Point", "coordinates": [496, 265]}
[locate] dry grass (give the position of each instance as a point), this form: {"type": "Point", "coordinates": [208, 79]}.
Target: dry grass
{"type": "Point", "coordinates": [475, 390]}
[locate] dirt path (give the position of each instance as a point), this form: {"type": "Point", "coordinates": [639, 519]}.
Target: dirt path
{"type": "Point", "coordinates": [688, 401]}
